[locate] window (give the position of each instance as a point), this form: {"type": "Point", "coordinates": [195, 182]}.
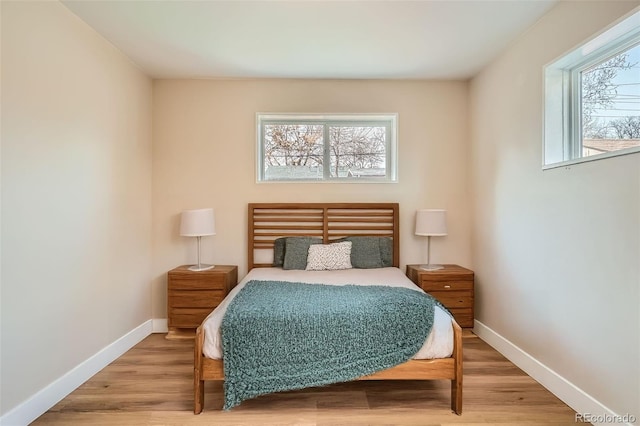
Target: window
{"type": "Point", "coordinates": [592, 98]}
{"type": "Point", "coordinates": [327, 148]}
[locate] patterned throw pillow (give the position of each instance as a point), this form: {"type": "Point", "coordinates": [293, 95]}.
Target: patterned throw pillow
{"type": "Point", "coordinates": [329, 257]}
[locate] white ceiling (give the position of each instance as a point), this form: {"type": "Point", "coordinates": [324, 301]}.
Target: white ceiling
{"type": "Point", "coordinates": [447, 39]}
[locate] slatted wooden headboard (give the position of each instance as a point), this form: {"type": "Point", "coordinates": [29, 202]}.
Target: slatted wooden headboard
{"type": "Point", "coordinates": [329, 221]}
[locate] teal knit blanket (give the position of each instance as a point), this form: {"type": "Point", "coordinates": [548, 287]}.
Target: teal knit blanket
{"type": "Point", "coordinates": [279, 336]}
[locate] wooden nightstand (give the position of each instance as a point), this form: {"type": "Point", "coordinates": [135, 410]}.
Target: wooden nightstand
{"type": "Point", "coordinates": [452, 286]}
{"type": "Point", "coordinates": [191, 296]}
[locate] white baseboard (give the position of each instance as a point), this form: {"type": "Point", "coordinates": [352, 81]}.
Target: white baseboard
{"type": "Point", "coordinates": [160, 325]}
{"type": "Point", "coordinates": [49, 396]}
{"type": "Point", "coordinates": [566, 391]}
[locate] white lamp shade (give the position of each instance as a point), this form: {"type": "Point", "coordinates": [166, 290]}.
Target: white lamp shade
{"type": "Point", "coordinates": [198, 223]}
{"type": "Point", "coordinates": [431, 222]}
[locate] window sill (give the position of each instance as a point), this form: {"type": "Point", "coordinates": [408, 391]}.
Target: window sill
{"type": "Point", "coordinates": [591, 158]}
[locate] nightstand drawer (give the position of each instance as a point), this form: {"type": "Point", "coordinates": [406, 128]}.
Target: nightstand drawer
{"type": "Point", "coordinates": [195, 282]}
{"type": "Point", "coordinates": [188, 317]}
{"type": "Point", "coordinates": [429, 286]}
{"type": "Point", "coordinates": [464, 317]}
{"type": "Point", "coordinates": [195, 299]}
{"type": "Point", "coordinates": [454, 299]}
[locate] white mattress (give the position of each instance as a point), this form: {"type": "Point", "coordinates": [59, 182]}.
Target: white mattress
{"type": "Point", "coordinates": [439, 343]}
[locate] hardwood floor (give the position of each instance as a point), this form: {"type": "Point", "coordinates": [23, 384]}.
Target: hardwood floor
{"type": "Point", "coordinates": [152, 384]}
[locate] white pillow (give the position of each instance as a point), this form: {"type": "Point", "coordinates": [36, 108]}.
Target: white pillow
{"type": "Point", "coordinates": [328, 257]}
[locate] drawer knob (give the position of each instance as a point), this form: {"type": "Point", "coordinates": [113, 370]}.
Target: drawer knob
{"type": "Point", "coordinates": [447, 286]}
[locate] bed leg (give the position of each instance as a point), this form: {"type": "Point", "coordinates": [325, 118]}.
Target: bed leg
{"type": "Point", "coordinates": [198, 397]}
{"type": "Point", "coordinates": [456, 397]}
{"type": "Point", "coordinates": [456, 384]}
{"type": "Point", "coordinates": [198, 383]}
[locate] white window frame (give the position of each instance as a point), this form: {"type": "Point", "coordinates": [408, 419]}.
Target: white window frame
{"type": "Point", "coordinates": [390, 121]}
{"type": "Point", "coordinates": [562, 145]}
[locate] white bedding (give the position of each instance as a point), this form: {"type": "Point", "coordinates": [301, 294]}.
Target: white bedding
{"type": "Point", "coordinates": [439, 343]}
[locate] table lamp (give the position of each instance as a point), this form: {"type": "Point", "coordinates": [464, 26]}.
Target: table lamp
{"type": "Point", "coordinates": [431, 223]}
{"type": "Point", "coordinates": [198, 223]}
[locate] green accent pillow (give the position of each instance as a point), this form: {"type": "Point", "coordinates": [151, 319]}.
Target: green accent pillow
{"type": "Point", "coordinates": [386, 251]}
{"type": "Point", "coordinates": [278, 251]}
{"type": "Point", "coordinates": [297, 250]}
{"type": "Point", "coordinates": [365, 252]}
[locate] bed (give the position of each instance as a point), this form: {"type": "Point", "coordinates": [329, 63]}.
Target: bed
{"type": "Point", "coordinates": [269, 223]}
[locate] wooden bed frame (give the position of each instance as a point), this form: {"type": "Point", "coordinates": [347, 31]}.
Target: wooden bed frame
{"type": "Point", "coordinates": [330, 221]}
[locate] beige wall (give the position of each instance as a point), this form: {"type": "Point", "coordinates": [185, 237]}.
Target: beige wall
{"type": "Point", "coordinates": [556, 252]}
{"type": "Point", "coordinates": [76, 196]}
{"type": "Point", "coordinates": [204, 156]}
